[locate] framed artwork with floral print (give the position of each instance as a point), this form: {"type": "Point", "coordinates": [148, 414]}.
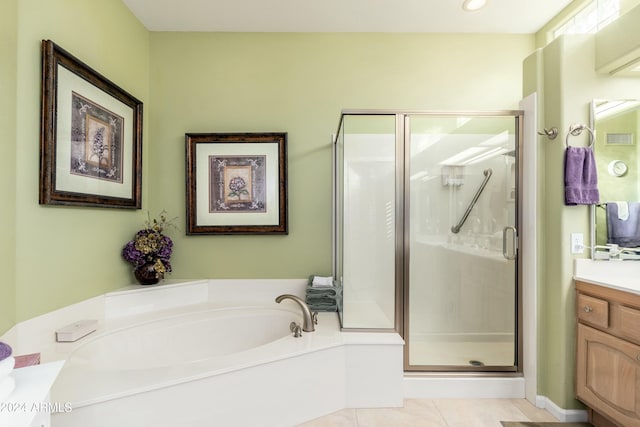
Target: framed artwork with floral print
{"type": "Point", "coordinates": [90, 136]}
{"type": "Point", "coordinates": [236, 183]}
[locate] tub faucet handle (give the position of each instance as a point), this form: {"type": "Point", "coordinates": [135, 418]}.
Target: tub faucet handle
{"type": "Point", "coordinates": [314, 317]}
{"type": "Point", "coordinates": [295, 329]}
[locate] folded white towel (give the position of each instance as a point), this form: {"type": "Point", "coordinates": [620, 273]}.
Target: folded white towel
{"type": "Point", "coordinates": [322, 282]}
{"type": "Point", "coordinates": [6, 367]}
{"type": "Point", "coordinates": [7, 386]}
{"type": "Point", "coordinates": [623, 211]}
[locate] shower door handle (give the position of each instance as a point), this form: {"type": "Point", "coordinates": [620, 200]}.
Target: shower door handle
{"type": "Point", "coordinates": [514, 236]}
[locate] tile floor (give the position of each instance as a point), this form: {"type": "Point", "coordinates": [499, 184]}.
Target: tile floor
{"type": "Point", "coordinates": [437, 413]}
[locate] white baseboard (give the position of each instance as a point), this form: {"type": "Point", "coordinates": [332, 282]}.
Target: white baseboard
{"type": "Point", "coordinates": [564, 415]}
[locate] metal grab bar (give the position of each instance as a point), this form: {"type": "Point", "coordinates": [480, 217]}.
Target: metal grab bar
{"type": "Point", "coordinates": [487, 176]}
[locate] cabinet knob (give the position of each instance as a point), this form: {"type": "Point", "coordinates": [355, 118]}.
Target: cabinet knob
{"type": "Point", "coordinates": [587, 309]}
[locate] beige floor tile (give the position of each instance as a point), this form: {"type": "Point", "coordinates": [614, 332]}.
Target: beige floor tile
{"type": "Point", "coordinates": [415, 413]}
{"type": "Point", "coordinates": [437, 413]}
{"type": "Point", "coordinates": [478, 412]}
{"type": "Point", "coordinates": [343, 418]}
{"type": "Point", "coordinates": [531, 412]}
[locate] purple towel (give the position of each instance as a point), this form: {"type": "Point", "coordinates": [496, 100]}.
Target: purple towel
{"type": "Point", "coordinates": [580, 177]}
{"type": "Point", "coordinates": [5, 351]}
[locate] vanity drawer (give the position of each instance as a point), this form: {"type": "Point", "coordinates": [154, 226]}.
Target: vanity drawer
{"type": "Point", "coordinates": [629, 322]}
{"type": "Point", "coordinates": [593, 310]}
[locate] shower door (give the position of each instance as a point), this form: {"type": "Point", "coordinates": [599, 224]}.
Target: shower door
{"type": "Point", "coordinates": [460, 237]}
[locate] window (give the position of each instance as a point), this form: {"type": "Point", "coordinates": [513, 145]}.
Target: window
{"type": "Point", "coordinates": [592, 18]}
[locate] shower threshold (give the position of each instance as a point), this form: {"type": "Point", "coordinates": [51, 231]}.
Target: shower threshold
{"type": "Point", "coordinates": [462, 351]}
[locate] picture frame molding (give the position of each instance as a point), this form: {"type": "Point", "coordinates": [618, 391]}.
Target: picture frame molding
{"type": "Point", "coordinates": [54, 56]}
{"type": "Point", "coordinates": [248, 144]}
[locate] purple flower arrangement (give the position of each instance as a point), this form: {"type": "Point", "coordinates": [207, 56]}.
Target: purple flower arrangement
{"type": "Point", "coordinates": [151, 246]}
{"type": "Point", "coordinates": [5, 351]}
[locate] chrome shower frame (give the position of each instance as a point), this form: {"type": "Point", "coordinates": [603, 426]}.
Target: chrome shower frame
{"type": "Point", "coordinates": [402, 228]}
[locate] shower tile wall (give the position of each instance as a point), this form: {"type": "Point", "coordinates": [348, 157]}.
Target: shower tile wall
{"type": "Point", "coordinates": [369, 239]}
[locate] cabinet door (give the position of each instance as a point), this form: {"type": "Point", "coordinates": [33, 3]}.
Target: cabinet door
{"type": "Point", "coordinates": [608, 375]}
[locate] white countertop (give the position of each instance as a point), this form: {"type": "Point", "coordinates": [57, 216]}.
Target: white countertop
{"type": "Point", "coordinates": [621, 275]}
{"type": "Point", "coordinates": [28, 404]}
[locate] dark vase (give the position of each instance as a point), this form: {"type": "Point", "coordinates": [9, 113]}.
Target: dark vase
{"type": "Point", "coordinates": [146, 274]}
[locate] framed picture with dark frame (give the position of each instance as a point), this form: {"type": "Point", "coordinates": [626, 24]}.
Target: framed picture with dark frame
{"type": "Point", "coordinates": [90, 136]}
{"type": "Point", "coordinates": [236, 183]}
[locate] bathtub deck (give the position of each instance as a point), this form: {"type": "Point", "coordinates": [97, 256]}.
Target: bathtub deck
{"type": "Point", "coordinates": [100, 385]}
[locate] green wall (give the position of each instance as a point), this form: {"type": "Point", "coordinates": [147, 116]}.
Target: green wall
{"type": "Point", "coordinates": [212, 82]}
{"type": "Point", "coordinates": [8, 53]}
{"type": "Point", "coordinates": [566, 81]}
{"type": "Point", "coordinates": [299, 83]}
{"type": "Point", "coordinates": [67, 254]}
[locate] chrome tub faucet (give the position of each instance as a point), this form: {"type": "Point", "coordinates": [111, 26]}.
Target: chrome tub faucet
{"type": "Point", "coordinates": [308, 319]}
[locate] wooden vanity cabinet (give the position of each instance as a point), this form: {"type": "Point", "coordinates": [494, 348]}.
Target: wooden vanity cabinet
{"type": "Point", "coordinates": [608, 354]}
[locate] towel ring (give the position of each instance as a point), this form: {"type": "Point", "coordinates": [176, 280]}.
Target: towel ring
{"type": "Point", "coordinates": [577, 129]}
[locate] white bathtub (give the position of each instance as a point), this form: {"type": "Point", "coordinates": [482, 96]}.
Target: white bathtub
{"type": "Point", "coordinates": [185, 339]}
{"type": "Point", "coordinates": [210, 364]}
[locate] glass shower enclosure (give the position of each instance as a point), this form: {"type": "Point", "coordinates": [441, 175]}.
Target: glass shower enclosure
{"type": "Point", "coordinates": [425, 234]}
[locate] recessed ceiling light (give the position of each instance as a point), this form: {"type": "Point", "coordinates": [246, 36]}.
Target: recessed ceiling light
{"type": "Point", "coordinates": [471, 5]}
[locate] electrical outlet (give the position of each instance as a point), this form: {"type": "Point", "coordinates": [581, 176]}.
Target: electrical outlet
{"type": "Point", "coordinates": [577, 243]}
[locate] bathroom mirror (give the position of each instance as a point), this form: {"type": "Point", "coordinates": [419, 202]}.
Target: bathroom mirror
{"type": "Point", "coordinates": [616, 219]}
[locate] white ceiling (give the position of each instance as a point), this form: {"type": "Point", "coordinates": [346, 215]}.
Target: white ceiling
{"type": "Point", "coordinates": [441, 16]}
